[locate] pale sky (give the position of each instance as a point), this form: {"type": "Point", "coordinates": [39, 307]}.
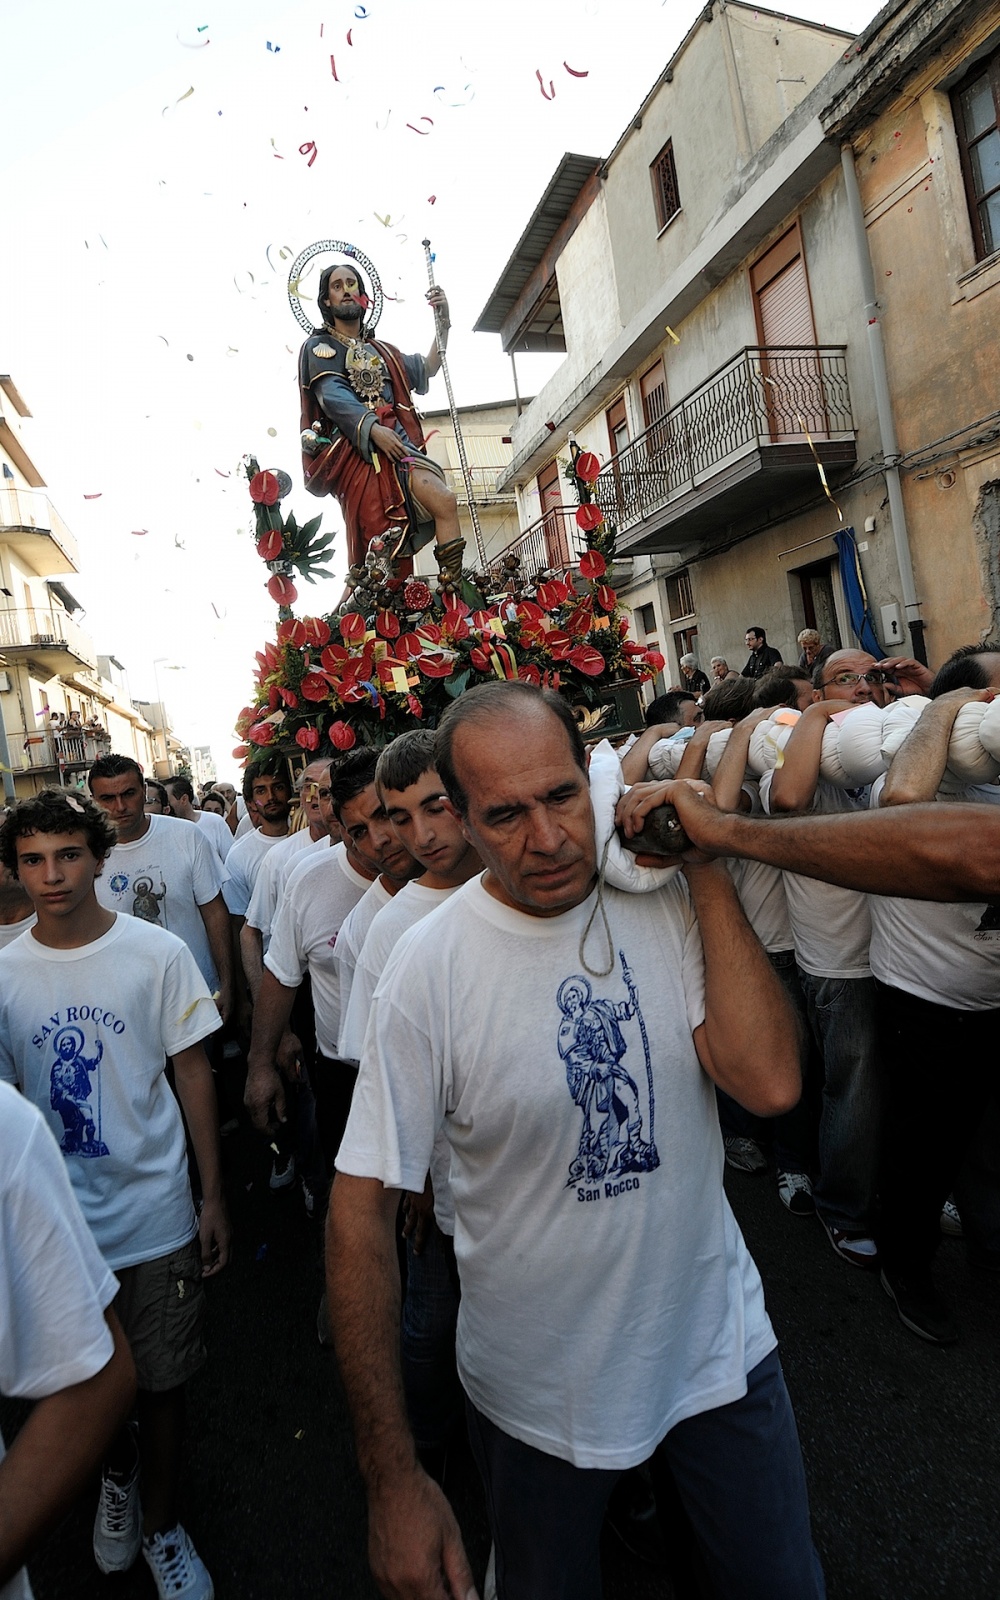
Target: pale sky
{"type": "Point", "coordinates": [146, 328]}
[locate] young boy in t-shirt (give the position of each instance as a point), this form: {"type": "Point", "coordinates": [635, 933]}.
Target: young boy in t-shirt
{"type": "Point", "coordinates": [91, 1005]}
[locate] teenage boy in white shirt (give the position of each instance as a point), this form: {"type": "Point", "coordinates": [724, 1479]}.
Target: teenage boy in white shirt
{"type": "Point", "coordinates": [91, 1005]}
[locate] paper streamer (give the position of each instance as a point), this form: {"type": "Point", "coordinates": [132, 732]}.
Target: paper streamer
{"type": "Point", "coordinates": [549, 94]}
{"type": "Point", "coordinates": [573, 73]}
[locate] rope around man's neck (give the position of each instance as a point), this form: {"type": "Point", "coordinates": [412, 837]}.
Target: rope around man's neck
{"type": "Point", "coordinates": [604, 972]}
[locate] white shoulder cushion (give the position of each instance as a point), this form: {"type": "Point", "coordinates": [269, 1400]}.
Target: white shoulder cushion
{"type": "Point", "coordinates": [989, 729]}
{"type": "Point", "coordinates": [967, 760]}
{"type": "Point", "coordinates": [665, 757]}
{"type": "Point", "coordinates": [769, 739]}
{"type": "Point", "coordinates": [898, 721]}
{"type": "Point", "coordinates": [860, 745]}
{"type": "Point", "coordinates": [831, 768]}
{"type": "Point", "coordinates": [607, 786]}
{"type": "Point", "coordinates": [716, 745]}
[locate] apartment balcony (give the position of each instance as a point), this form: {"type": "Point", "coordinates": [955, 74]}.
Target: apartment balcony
{"type": "Point", "coordinates": [735, 450]}
{"type": "Point", "coordinates": [32, 750]}
{"type": "Point", "coordinates": [49, 639]}
{"type": "Point", "coordinates": [553, 542]}
{"type": "Point", "coordinates": [484, 481]}
{"type": "Point", "coordinates": [32, 528]}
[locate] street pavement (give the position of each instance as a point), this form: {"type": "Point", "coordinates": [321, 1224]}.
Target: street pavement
{"type": "Point", "coordinates": [901, 1441]}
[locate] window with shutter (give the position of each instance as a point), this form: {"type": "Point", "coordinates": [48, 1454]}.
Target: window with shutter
{"type": "Point", "coordinates": [976, 104]}
{"type": "Point", "coordinates": [791, 376]}
{"type": "Point", "coordinates": [666, 194]}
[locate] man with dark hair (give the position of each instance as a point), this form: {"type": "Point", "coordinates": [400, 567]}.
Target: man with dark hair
{"type": "Point", "coordinates": [786, 685]}
{"type": "Point", "coordinates": [582, 1126]}
{"type": "Point", "coordinates": [762, 655]}
{"type": "Point", "coordinates": [679, 706]}
{"type": "Point", "coordinates": [181, 792]}
{"type": "Point", "coordinates": [362, 439]}
{"type": "Point", "coordinates": [92, 1004]}
{"type": "Point", "coordinates": [163, 871]}
{"type": "Point", "coordinates": [973, 666]}
{"type": "Point", "coordinates": [157, 800]}
{"type": "Point", "coordinates": [267, 787]}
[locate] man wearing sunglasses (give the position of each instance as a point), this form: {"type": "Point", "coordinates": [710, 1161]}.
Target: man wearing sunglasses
{"type": "Point", "coordinates": [831, 928]}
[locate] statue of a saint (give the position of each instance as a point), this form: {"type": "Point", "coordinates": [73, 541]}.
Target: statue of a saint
{"type": "Point", "coordinates": [361, 438]}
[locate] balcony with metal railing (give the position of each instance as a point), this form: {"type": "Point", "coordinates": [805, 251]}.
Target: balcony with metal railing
{"type": "Point", "coordinates": [746, 440]}
{"type": "Point", "coordinates": [32, 527]}
{"type": "Point", "coordinates": [484, 482]}
{"type": "Point", "coordinates": [554, 542]}
{"type": "Point", "coordinates": [48, 637]}
{"type": "Point", "coordinates": [42, 750]}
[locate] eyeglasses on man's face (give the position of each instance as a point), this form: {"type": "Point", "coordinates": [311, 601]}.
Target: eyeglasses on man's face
{"type": "Point", "coordinates": [846, 680]}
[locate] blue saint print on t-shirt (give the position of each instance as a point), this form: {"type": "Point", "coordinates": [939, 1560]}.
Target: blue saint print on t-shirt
{"type": "Point", "coordinates": [70, 1094]}
{"type": "Point", "coordinates": [615, 1137]}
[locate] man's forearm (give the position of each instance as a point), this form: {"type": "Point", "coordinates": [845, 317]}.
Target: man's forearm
{"type": "Point", "coordinates": [749, 1026]}
{"type": "Point", "coordinates": [215, 916]}
{"type": "Point", "coordinates": [57, 1449]}
{"type": "Point", "coordinates": [362, 1275]}
{"type": "Point", "coordinates": [918, 852]}
{"type": "Point", "coordinates": [252, 957]}
{"type": "Point", "coordinates": [917, 768]}
{"type": "Point", "coordinates": [196, 1093]}
{"type": "Point", "coordinates": [271, 1016]}
{"type": "Point", "coordinates": [794, 782]}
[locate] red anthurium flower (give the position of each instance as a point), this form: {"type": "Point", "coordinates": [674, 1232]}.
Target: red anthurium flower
{"type": "Point", "coordinates": [292, 631]}
{"type": "Point", "coordinates": [264, 489]}
{"type": "Point", "coordinates": [551, 680]}
{"type": "Point", "coordinates": [587, 466]}
{"type": "Point", "coordinates": [593, 564]}
{"type": "Point", "coordinates": [413, 706]}
{"type": "Point", "coordinates": [408, 646]}
{"type": "Point", "coordinates": [282, 590]}
{"type": "Point", "coordinates": [581, 620]}
{"type": "Point", "coordinates": [241, 752]}
{"type": "Point", "coordinates": [333, 657]}
{"type": "Point", "coordinates": [351, 691]}
{"type": "Point", "coordinates": [271, 544]}
{"type": "Point", "coordinates": [586, 659]}
{"type": "Point", "coordinates": [606, 596]}
{"type": "Point", "coordinates": [353, 628]}
{"type": "Point", "coordinates": [291, 699]}
{"type": "Point", "coordinates": [632, 649]}
{"type": "Point", "coordinates": [308, 738]}
{"type": "Point", "coordinates": [481, 620]}
{"type": "Point", "coordinates": [623, 627]}
{"type": "Point", "coordinates": [315, 685]}
{"type": "Point", "coordinates": [273, 698]}
{"type": "Point", "coordinates": [480, 659]}
{"type": "Point", "coordinates": [589, 517]}
{"type": "Point", "coordinates": [655, 660]}
{"type": "Point", "coordinates": [534, 634]}
{"type": "Point", "coordinates": [262, 732]}
{"type": "Point", "coordinates": [434, 664]}
{"type": "Point", "coordinates": [527, 611]}
{"type": "Point", "coordinates": [559, 645]}
{"type": "Point", "coordinates": [529, 674]}
{"type": "Point", "coordinates": [342, 736]}
{"type": "Point", "coordinates": [428, 633]}
{"type": "Point", "coordinates": [387, 624]}
{"type": "Point", "coordinates": [553, 594]}
{"type": "Point", "coordinates": [315, 630]}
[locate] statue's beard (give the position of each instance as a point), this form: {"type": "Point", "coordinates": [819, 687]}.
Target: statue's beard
{"type": "Point", "coordinates": [350, 312]}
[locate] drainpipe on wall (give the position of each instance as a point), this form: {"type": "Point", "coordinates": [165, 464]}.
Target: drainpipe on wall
{"type": "Point", "coordinates": [9, 793]}
{"type": "Point", "coordinates": [883, 407]}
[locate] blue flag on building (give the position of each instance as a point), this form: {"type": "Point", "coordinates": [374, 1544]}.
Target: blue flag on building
{"type": "Point", "coordinates": [855, 594]}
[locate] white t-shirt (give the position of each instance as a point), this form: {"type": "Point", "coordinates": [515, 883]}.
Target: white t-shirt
{"type": "Point", "coordinates": [9, 931]}
{"type": "Point", "coordinates": [244, 825]}
{"type": "Point", "coordinates": [946, 953]}
{"type": "Point", "coordinates": [243, 864]}
{"type": "Point", "coordinates": [606, 1290]}
{"type": "Point", "coordinates": [216, 831]}
{"type": "Point", "coordinates": [306, 932]}
{"type": "Point", "coordinates": [352, 935]}
{"type": "Point", "coordinates": [761, 889]}
{"type": "Point", "coordinates": [85, 1034]}
{"type": "Point", "coordinates": [163, 878]}
{"type": "Point", "coordinates": [405, 909]}
{"type": "Point", "coordinates": [831, 926]}
{"type": "Point", "coordinates": [54, 1287]}
{"type": "Point", "coordinates": [267, 884]}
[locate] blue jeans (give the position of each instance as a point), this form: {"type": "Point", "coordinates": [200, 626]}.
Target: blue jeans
{"type": "Point", "coordinates": [842, 1016]}
{"type": "Point", "coordinates": [738, 1470]}
{"type": "Point", "coordinates": [430, 1313]}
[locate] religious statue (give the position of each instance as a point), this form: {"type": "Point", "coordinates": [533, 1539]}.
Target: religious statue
{"type": "Point", "coordinates": [361, 437]}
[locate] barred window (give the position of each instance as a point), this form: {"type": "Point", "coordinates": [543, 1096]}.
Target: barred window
{"type": "Point", "coordinates": [680, 600]}
{"type": "Point", "coordinates": [666, 194]}
{"type": "Point", "coordinates": [977, 123]}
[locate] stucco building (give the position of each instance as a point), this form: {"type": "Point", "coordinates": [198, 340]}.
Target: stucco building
{"type": "Point", "coordinates": [800, 280]}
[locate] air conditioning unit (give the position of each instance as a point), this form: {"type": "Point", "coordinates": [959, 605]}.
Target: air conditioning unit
{"type": "Point", "coordinates": [43, 638]}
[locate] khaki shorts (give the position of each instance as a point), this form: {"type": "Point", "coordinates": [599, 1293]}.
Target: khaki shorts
{"type": "Point", "coordinates": [161, 1307]}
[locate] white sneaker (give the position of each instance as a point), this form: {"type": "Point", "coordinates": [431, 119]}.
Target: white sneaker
{"type": "Point", "coordinates": [282, 1172]}
{"type": "Point", "coordinates": [178, 1571]}
{"type": "Point", "coordinates": [118, 1523]}
{"type": "Point", "coordinates": [744, 1155]}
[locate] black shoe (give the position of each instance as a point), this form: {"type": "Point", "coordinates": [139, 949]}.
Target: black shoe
{"type": "Point", "coordinates": [920, 1308]}
{"type": "Point", "coordinates": [631, 1513]}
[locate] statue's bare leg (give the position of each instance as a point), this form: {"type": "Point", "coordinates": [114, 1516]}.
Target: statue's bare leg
{"type": "Point", "coordinates": [449, 549]}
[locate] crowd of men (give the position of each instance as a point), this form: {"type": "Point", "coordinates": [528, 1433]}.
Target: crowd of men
{"type": "Point", "coordinates": [527, 1082]}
